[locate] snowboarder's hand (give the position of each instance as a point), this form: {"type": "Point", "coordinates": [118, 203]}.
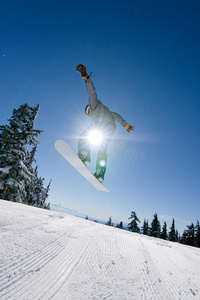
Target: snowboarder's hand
{"type": "Point", "coordinates": [82, 70]}
{"type": "Point", "coordinates": [129, 128]}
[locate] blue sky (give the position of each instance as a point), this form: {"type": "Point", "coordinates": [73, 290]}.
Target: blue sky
{"type": "Point", "coordinates": [144, 59]}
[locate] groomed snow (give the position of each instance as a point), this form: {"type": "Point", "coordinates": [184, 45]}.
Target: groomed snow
{"type": "Point", "coordinates": [52, 255]}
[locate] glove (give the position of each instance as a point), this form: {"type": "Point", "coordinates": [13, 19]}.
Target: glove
{"type": "Point", "coordinates": [129, 128]}
{"type": "Point", "coordinates": [82, 70]}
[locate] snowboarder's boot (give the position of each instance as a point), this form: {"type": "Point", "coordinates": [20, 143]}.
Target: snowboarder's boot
{"type": "Point", "coordinates": [99, 174]}
{"type": "Point", "coordinates": [82, 70]}
{"type": "Point", "coordinates": [85, 157]}
{"type": "Point", "coordinates": [101, 166]}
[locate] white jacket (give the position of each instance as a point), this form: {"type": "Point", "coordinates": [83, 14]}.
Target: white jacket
{"type": "Point", "coordinates": [100, 113]}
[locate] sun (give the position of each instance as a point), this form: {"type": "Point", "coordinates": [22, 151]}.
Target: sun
{"type": "Point", "coordinates": [95, 137]}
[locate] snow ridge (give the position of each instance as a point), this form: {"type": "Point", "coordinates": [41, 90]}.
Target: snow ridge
{"type": "Point", "coordinates": [52, 255]}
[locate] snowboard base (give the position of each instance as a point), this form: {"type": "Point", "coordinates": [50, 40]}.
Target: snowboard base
{"type": "Point", "coordinates": [68, 153]}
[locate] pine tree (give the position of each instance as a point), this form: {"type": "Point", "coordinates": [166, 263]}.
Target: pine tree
{"type": "Point", "coordinates": [177, 236]}
{"type": "Point", "coordinates": [197, 235]}
{"type": "Point", "coordinates": [145, 227]}
{"type": "Point", "coordinates": [163, 234]}
{"type": "Point", "coordinates": [191, 235]}
{"type": "Point", "coordinates": [109, 223]}
{"type": "Point", "coordinates": [120, 225]}
{"type": "Point", "coordinates": [172, 233]}
{"type": "Point", "coordinates": [183, 239]}
{"type": "Point", "coordinates": [13, 171]}
{"type": "Point", "coordinates": [133, 225]}
{"type": "Point", "coordinates": [17, 177]}
{"type": "Point", "coordinates": [155, 227]}
{"type": "Point", "coordinates": [188, 236]}
{"type": "Point", "coordinates": [37, 192]}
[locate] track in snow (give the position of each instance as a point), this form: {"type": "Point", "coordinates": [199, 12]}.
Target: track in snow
{"type": "Point", "coordinates": [51, 255]}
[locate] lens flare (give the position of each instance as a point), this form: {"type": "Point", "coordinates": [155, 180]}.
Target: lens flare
{"type": "Point", "coordinates": [95, 137]}
{"type": "Point", "coordinates": [102, 163]}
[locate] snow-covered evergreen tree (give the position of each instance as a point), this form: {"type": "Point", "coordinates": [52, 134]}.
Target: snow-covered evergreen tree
{"type": "Point", "coordinates": [13, 172]}
{"type": "Point", "coordinates": [37, 193]}
{"type": "Point", "coordinates": [188, 236]}
{"type": "Point", "coordinates": [17, 176]}
{"type": "Point", "coordinates": [197, 235]}
{"type": "Point", "coordinates": [133, 225]}
{"type": "Point", "coordinates": [163, 234]}
{"type": "Point", "coordinates": [183, 239]}
{"type": "Point", "coordinates": [172, 233]}
{"type": "Point", "coordinates": [109, 223]}
{"type": "Point", "coordinates": [155, 227]}
{"type": "Point", "coordinates": [177, 236]}
{"type": "Point", "coordinates": [191, 234]}
{"type": "Point", "coordinates": [120, 225]}
{"type": "Point", "coordinates": [145, 227]}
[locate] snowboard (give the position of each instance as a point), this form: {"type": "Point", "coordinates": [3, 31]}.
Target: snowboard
{"type": "Point", "coordinates": [68, 153]}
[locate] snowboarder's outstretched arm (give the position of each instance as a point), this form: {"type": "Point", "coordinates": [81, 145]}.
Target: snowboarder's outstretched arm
{"type": "Point", "coordinates": [121, 121]}
{"type": "Point", "coordinates": [93, 100]}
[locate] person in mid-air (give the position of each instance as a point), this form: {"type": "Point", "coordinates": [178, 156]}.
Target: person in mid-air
{"type": "Point", "coordinates": [102, 119]}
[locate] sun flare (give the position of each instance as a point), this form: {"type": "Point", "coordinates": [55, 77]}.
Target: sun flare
{"type": "Point", "coordinates": [95, 137]}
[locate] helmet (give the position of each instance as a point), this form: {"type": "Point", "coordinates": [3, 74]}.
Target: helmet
{"type": "Point", "coordinates": [87, 110]}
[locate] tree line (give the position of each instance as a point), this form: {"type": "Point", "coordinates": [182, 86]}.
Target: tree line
{"type": "Point", "coordinates": [190, 236]}
{"type": "Point", "coordinates": [19, 180]}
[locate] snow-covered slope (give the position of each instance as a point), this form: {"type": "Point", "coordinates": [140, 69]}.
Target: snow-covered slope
{"type": "Point", "coordinates": [51, 255]}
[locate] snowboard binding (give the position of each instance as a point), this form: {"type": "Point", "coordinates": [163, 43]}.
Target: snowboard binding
{"type": "Point", "coordinates": [85, 157]}
{"type": "Point", "coordinates": [99, 174]}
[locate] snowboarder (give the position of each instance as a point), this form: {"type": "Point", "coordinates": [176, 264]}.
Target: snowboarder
{"type": "Point", "coordinates": [102, 119]}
